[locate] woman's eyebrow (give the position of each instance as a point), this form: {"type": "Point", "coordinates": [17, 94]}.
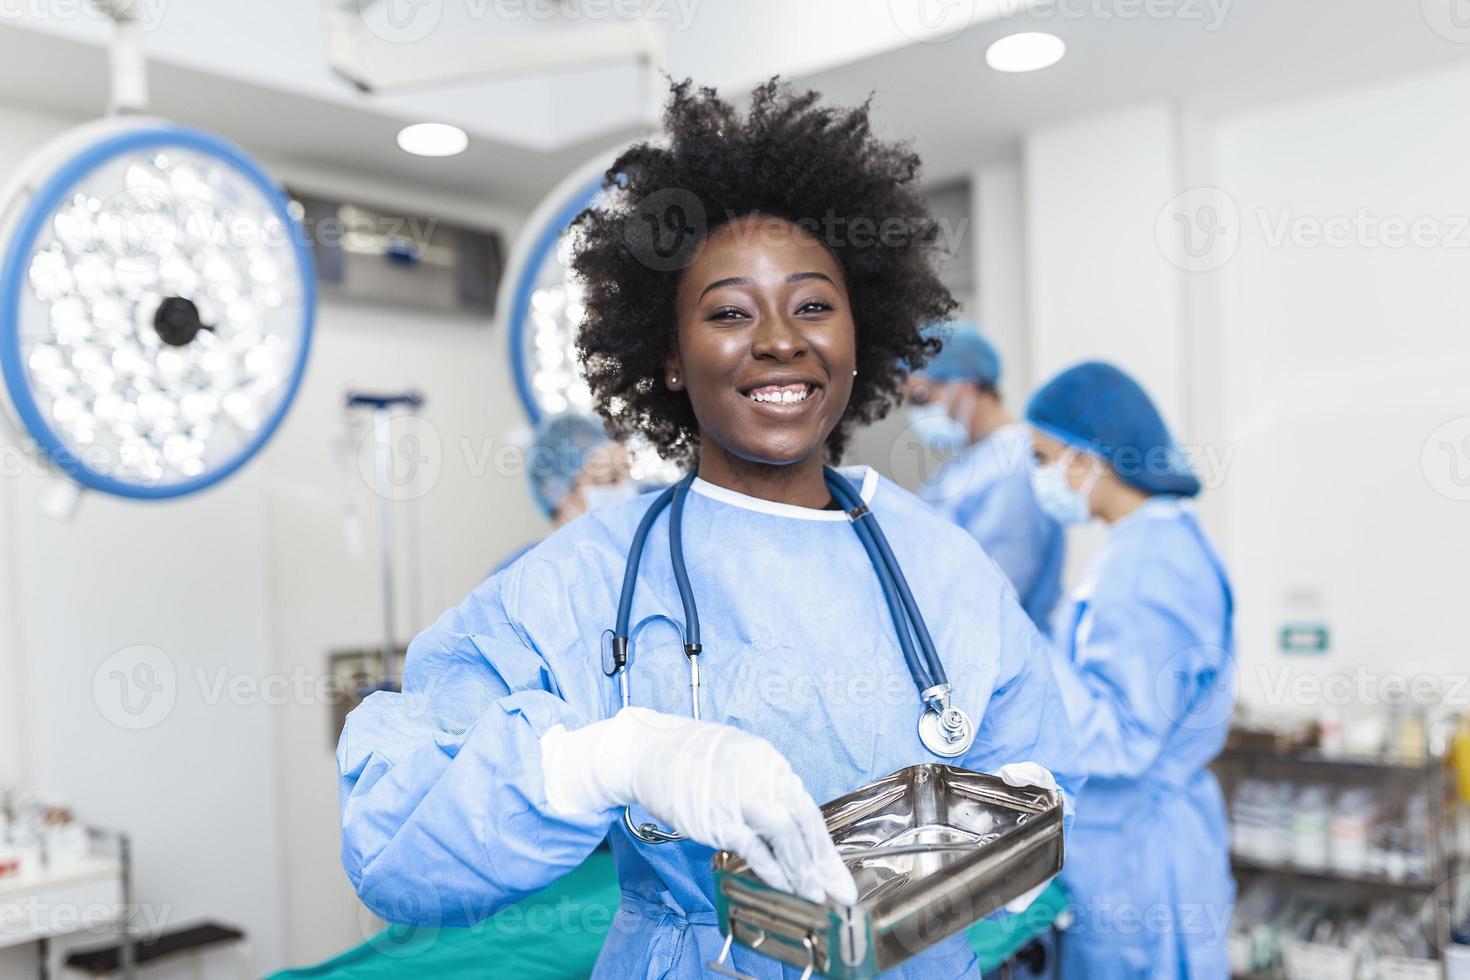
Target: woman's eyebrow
{"type": "Point", "coordinates": [721, 283]}
{"type": "Point", "coordinates": [744, 281]}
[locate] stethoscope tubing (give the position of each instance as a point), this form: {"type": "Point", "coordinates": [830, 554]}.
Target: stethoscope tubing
{"type": "Point", "coordinates": [891, 580]}
{"type": "Point", "coordinates": [924, 664]}
{"type": "Point", "coordinates": [630, 575]}
{"type": "Point", "coordinates": [850, 501]}
{"type": "Point", "coordinates": [681, 571]}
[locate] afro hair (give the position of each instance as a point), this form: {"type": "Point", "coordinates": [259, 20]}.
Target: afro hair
{"type": "Point", "coordinates": [789, 157]}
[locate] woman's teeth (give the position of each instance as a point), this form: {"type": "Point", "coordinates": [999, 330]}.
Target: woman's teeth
{"type": "Point", "coordinates": [781, 394]}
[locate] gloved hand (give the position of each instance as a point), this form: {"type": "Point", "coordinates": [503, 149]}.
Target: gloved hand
{"type": "Point", "coordinates": [1027, 774]}
{"type": "Point", "coordinates": [713, 783]}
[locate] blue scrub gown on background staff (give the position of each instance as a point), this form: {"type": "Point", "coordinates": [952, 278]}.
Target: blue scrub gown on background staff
{"type": "Point", "coordinates": [986, 489]}
{"type": "Point", "coordinates": [444, 813]}
{"type": "Point", "coordinates": [1144, 656]}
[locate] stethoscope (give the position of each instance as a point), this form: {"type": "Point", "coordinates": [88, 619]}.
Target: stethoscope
{"type": "Point", "coordinates": [944, 728]}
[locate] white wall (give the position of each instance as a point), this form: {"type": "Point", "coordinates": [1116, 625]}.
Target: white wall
{"type": "Point", "coordinates": [232, 801]}
{"type": "Point", "coordinates": [1341, 363]}
{"type": "Point", "coordinates": [1327, 380]}
{"type": "Point", "coordinates": [25, 131]}
{"type": "Point", "coordinates": [1099, 286]}
{"type": "Point", "coordinates": [196, 788]}
{"type": "Point", "coordinates": [998, 223]}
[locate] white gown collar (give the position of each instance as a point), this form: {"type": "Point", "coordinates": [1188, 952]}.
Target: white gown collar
{"type": "Point", "coordinates": [866, 474]}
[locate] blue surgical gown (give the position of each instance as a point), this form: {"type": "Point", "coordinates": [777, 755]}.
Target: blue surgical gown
{"type": "Point", "coordinates": [1145, 658]}
{"type": "Point", "coordinates": [512, 558]}
{"type": "Point", "coordinates": [443, 808]}
{"type": "Point", "coordinates": [986, 489]}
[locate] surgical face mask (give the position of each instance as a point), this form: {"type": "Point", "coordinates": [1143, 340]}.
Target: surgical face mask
{"type": "Point", "coordinates": [600, 495]}
{"type": "Point", "coordinates": [932, 425]}
{"type": "Point", "coordinates": [1055, 496]}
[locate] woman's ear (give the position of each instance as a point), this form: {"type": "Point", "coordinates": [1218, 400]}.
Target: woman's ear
{"type": "Point", "coordinates": [673, 374]}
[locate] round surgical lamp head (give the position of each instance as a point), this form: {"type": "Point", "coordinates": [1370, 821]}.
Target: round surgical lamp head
{"type": "Point", "coordinates": [543, 304]}
{"type": "Point", "coordinates": [543, 301]}
{"type": "Point", "coordinates": [156, 306]}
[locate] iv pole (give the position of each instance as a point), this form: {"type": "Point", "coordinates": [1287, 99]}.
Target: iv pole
{"type": "Point", "coordinates": [381, 407]}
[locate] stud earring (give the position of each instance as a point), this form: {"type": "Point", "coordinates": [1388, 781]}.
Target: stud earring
{"type": "Point", "coordinates": [673, 379]}
{"type": "Point", "coordinates": [854, 372]}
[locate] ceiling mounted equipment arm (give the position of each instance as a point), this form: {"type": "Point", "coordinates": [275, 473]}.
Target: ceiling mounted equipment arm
{"type": "Point", "coordinates": [129, 64]}
{"type": "Point", "coordinates": [375, 63]}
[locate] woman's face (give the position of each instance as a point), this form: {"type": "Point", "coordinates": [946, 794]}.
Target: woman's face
{"type": "Point", "coordinates": [765, 345]}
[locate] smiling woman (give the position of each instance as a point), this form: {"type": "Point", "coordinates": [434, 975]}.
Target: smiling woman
{"type": "Point", "coordinates": [756, 287]}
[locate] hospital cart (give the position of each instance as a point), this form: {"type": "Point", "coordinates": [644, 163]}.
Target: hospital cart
{"type": "Point", "coordinates": [92, 894]}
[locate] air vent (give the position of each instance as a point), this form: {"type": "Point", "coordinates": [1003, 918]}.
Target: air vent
{"type": "Point", "coordinates": [378, 255]}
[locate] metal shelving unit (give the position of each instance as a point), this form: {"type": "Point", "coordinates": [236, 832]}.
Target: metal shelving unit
{"type": "Point", "coordinates": [1327, 876]}
{"type": "Point", "coordinates": [1314, 757]}
{"type": "Point", "coordinates": [1236, 763]}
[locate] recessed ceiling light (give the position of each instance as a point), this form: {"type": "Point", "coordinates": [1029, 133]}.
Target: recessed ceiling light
{"type": "Point", "coordinates": [432, 139]}
{"type": "Point", "coordinates": [1029, 51]}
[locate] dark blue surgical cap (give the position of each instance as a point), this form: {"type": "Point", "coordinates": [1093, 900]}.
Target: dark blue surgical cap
{"type": "Point", "coordinates": [558, 453]}
{"type": "Point", "coordinates": [1096, 407]}
{"type": "Point", "coordinates": [967, 356]}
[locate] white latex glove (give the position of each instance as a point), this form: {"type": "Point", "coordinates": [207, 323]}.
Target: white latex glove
{"type": "Point", "coordinates": [1027, 774]}
{"type": "Point", "coordinates": [713, 783]}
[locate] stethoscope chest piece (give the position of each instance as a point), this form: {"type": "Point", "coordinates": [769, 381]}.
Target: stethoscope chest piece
{"type": "Point", "coordinates": [610, 665]}
{"type": "Point", "coordinates": [945, 729]}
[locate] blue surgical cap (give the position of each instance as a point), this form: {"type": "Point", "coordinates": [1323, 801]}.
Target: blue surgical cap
{"type": "Point", "coordinates": [1096, 407]}
{"type": "Point", "coordinates": [558, 453]}
{"type": "Point", "coordinates": [966, 356]}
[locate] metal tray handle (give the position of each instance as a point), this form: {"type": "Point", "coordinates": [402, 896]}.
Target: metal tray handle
{"type": "Point", "coordinates": [718, 965]}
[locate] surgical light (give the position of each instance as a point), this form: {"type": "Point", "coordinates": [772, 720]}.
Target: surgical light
{"type": "Point", "coordinates": [156, 306]}
{"type": "Point", "coordinates": [432, 140]}
{"type": "Point", "coordinates": [1027, 51]}
{"type": "Point", "coordinates": [544, 306]}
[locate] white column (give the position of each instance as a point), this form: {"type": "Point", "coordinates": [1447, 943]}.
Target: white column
{"type": "Point", "coordinates": [998, 219]}
{"type": "Point", "coordinates": [1099, 284]}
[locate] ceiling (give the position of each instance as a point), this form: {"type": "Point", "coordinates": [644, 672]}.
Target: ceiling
{"type": "Point", "coordinates": [256, 72]}
{"type": "Point", "coordinates": [1256, 53]}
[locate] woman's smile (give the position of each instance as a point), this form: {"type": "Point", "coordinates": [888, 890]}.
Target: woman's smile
{"type": "Point", "coordinates": [777, 394]}
{"type": "Point", "coordinates": [783, 397]}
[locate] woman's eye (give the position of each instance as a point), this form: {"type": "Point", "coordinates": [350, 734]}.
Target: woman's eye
{"type": "Point", "coordinates": [727, 313]}
{"type": "Point", "coordinates": [814, 306]}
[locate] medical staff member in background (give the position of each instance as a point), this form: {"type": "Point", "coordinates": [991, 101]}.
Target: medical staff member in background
{"type": "Point", "coordinates": [1144, 654]}
{"type": "Point", "coordinates": [984, 484]}
{"type": "Point", "coordinates": [745, 333]}
{"type": "Point", "coordinates": [573, 466]}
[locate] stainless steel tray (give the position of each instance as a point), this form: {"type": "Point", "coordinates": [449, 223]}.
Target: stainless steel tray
{"type": "Point", "coordinates": [933, 848]}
